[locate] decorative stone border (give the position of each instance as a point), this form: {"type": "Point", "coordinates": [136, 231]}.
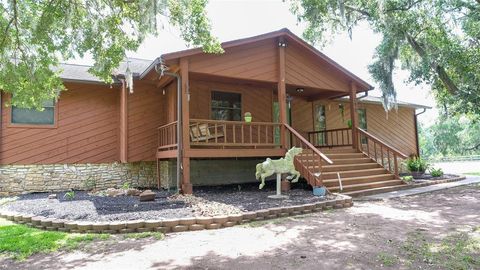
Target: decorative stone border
{"type": "Point", "coordinates": [175, 225]}
{"type": "Point", "coordinates": [434, 182]}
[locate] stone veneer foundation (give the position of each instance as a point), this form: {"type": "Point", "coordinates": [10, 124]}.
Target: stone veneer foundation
{"type": "Point", "coordinates": [16, 179]}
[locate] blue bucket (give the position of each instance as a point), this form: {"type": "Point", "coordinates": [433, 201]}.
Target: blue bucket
{"type": "Point", "coordinates": [319, 191]}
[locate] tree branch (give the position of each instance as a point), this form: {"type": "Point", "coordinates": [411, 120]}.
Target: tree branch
{"type": "Point", "coordinates": [6, 32]}
{"type": "Point", "coordinates": [476, 146]}
{"type": "Point", "coordinates": [408, 7]}
{"type": "Point", "coordinates": [440, 70]}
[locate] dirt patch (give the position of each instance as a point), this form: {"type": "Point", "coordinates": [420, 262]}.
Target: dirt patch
{"type": "Point", "coordinates": [208, 201]}
{"type": "Point", "coordinates": [416, 232]}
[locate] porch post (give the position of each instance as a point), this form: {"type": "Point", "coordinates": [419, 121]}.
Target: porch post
{"type": "Point", "coordinates": [282, 91]}
{"type": "Point", "coordinates": [123, 123]}
{"type": "Point", "coordinates": [185, 99]}
{"type": "Point", "coordinates": [353, 114]}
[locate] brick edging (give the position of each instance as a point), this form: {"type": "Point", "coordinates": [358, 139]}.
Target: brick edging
{"type": "Point", "coordinates": [174, 225]}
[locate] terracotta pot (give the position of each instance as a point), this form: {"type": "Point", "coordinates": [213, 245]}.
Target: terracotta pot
{"type": "Point", "coordinates": [285, 186]}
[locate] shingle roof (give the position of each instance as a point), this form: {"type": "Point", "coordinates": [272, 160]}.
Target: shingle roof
{"type": "Point", "coordinates": [378, 100]}
{"type": "Point", "coordinates": [79, 73]}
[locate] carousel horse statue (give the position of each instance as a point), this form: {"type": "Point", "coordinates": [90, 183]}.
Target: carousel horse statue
{"type": "Point", "coordinates": [282, 165]}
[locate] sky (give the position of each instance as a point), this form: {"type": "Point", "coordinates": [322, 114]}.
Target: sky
{"type": "Point", "coordinates": [234, 19]}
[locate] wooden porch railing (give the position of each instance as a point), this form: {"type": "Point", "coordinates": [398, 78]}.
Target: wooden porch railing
{"type": "Point", "coordinates": [331, 137]}
{"type": "Point", "coordinates": [309, 163]}
{"type": "Point", "coordinates": [380, 151]}
{"type": "Point", "coordinates": [225, 134]}
{"type": "Point", "coordinates": [167, 136]}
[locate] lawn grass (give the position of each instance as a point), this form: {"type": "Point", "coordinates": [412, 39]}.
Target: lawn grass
{"type": "Point", "coordinates": [473, 173]}
{"type": "Point", "coordinates": [20, 241]}
{"type": "Point", "coordinates": [156, 235]}
{"type": "Point", "coordinates": [458, 250]}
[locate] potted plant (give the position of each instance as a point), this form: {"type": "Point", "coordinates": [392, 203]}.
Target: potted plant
{"type": "Point", "coordinates": [416, 166]}
{"type": "Point", "coordinates": [248, 117]}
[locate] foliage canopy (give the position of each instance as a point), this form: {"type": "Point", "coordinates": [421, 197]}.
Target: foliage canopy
{"type": "Point", "coordinates": [438, 41]}
{"type": "Point", "coordinates": [37, 35]}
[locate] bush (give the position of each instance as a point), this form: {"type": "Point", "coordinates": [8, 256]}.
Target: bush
{"type": "Point", "coordinates": [436, 172]}
{"type": "Point", "coordinates": [416, 164]}
{"type": "Point", "coordinates": [69, 195]}
{"type": "Point", "coordinates": [407, 178]}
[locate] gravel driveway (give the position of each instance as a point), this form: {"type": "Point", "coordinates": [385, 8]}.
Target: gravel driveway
{"type": "Point", "coordinates": [370, 235]}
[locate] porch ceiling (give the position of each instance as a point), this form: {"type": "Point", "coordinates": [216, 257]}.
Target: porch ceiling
{"type": "Point", "coordinates": [311, 94]}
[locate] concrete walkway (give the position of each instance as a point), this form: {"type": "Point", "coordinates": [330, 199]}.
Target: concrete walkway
{"type": "Point", "coordinates": [414, 191]}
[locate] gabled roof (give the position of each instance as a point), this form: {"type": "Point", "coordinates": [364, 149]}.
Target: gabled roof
{"type": "Point", "coordinates": [280, 33]}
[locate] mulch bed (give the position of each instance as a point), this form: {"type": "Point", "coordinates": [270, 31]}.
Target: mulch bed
{"type": "Point", "coordinates": [208, 201]}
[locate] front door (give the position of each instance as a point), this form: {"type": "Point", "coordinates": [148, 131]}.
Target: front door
{"type": "Point", "coordinates": [319, 124]}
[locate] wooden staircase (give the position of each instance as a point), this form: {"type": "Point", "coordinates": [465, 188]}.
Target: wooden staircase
{"type": "Point", "coordinates": [360, 174]}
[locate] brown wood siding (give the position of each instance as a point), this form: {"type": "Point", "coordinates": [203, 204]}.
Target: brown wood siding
{"type": "Point", "coordinates": [302, 69]}
{"type": "Point", "coordinates": [397, 130]}
{"type": "Point", "coordinates": [146, 112]}
{"type": "Point", "coordinates": [255, 61]}
{"type": "Point", "coordinates": [256, 100]}
{"type": "Point", "coordinates": [87, 130]}
{"type": "Point", "coordinates": [302, 116]}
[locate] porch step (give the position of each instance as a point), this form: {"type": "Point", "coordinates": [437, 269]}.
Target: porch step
{"type": "Point", "coordinates": [348, 167]}
{"type": "Point", "coordinates": [371, 191]}
{"type": "Point", "coordinates": [338, 150]}
{"type": "Point", "coordinates": [344, 155]}
{"type": "Point", "coordinates": [309, 160]}
{"type": "Point", "coordinates": [358, 180]}
{"type": "Point", "coordinates": [359, 173]}
{"type": "Point", "coordinates": [365, 186]}
{"type": "Point", "coordinates": [354, 173]}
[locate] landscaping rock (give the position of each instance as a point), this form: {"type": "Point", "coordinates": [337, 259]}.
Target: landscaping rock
{"type": "Point", "coordinates": [147, 196]}
{"type": "Point", "coordinates": [52, 196]}
{"type": "Point", "coordinates": [133, 192]}
{"type": "Point", "coordinates": [180, 228]}
{"type": "Point", "coordinates": [113, 192]}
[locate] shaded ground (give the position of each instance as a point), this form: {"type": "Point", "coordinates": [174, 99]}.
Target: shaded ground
{"type": "Point", "coordinates": [220, 200]}
{"type": "Point", "coordinates": [439, 230]}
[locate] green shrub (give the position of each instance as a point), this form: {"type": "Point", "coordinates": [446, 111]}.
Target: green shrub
{"type": "Point", "coordinates": [126, 185]}
{"type": "Point", "coordinates": [436, 172]}
{"type": "Point", "coordinates": [416, 164]}
{"type": "Point", "coordinates": [407, 178]}
{"type": "Point", "coordinates": [70, 195]}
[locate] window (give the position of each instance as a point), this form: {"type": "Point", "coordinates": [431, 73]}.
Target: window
{"type": "Point", "coordinates": [226, 106]}
{"type": "Point", "coordinates": [362, 123]}
{"type": "Point", "coordinates": [362, 118]}
{"type": "Point", "coordinates": [34, 117]}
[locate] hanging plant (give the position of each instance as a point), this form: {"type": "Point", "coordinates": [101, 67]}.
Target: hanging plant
{"type": "Point", "coordinates": [341, 107]}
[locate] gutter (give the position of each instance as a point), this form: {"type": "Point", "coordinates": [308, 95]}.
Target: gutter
{"type": "Point", "coordinates": [364, 95]}
{"type": "Point", "coordinates": [179, 116]}
{"type": "Point", "coordinates": [424, 110]}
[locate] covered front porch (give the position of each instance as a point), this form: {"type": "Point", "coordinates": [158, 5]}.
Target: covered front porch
{"type": "Point", "coordinates": [276, 77]}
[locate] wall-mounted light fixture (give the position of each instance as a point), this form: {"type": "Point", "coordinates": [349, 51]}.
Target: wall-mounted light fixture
{"type": "Point", "coordinates": [300, 90]}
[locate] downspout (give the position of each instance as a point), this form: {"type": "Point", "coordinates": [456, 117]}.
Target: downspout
{"type": "Point", "coordinates": [365, 94]}
{"type": "Point", "coordinates": [179, 120]}
{"type": "Point", "coordinates": [416, 129]}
